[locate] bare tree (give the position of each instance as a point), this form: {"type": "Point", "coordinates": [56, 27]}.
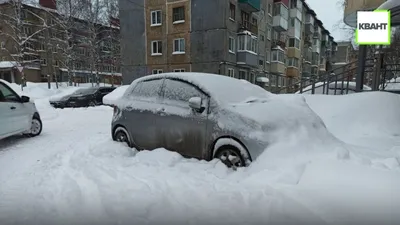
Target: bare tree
{"type": "Point", "coordinates": [94, 18]}
{"type": "Point", "coordinates": [22, 24]}
{"type": "Point", "coordinates": [113, 37]}
{"type": "Point", "coordinates": [69, 13]}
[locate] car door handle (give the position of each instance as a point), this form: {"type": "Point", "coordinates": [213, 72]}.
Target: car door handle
{"type": "Point", "coordinates": [12, 107]}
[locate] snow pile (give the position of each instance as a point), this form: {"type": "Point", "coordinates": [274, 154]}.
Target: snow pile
{"type": "Point", "coordinates": [306, 177]}
{"type": "Point", "coordinates": [112, 97]}
{"type": "Point", "coordinates": [393, 84]}
{"type": "Point", "coordinates": [366, 116]}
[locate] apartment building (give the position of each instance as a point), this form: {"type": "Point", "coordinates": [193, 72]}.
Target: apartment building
{"type": "Point", "coordinates": [54, 53]}
{"type": "Point", "coordinates": [278, 41]}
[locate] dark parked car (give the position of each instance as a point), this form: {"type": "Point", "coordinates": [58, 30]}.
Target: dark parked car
{"type": "Point", "coordinates": [83, 97]}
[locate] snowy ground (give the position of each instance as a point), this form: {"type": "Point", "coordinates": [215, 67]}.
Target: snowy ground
{"type": "Point", "coordinates": [75, 173]}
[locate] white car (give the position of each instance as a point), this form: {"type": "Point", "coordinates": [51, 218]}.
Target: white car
{"type": "Point", "coordinates": [18, 115]}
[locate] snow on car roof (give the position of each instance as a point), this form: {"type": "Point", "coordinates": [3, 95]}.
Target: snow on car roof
{"type": "Point", "coordinates": [223, 88]}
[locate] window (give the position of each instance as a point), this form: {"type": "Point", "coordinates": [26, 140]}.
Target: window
{"type": "Point", "coordinates": [179, 70]}
{"type": "Point", "coordinates": [27, 30]}
{"type": "Point", "coordinates": [157, 71]}
{"type": "Point", "coordinates": [267, 57]}
{"type": "Point", "coordinates": [269, 33]}
{"type": "Point", "coordinates": [296, 25]}
{"type": "Point", "coordinates": [156, 18]}
{"type": "Point", "coordinates": [81, 51]}
{"type": "Point", "coordinates": [310, 19]}
{"type": "Point", "coordinates": [269, 8]}
{"type": "Point", "coordinates": [55, 62]}
{"type": "Point", "coordinates": [232, 11]}
{"type": "Point", "coordinates": [247, 43]}
{"type": "Point", "coordinates": [8, 95]}
{"type": "Point", "coordinates": [179, 46]}
{"type": "Point", "coordinates": [180, 92]}
{"type": "Point", "coordinates": [245, 19]}
{"type": "Point", "coordinates": [178, 14]}
{"type": "Point", "coordinates": [148, 88]}
{"type": "Point", "coordinates": [261, 62]}
{"type": "Point", "coordinates": [262, 37]}
{"type": "Point", "coordinates": [278, 56]}
{"type": "Point", "coordinates": [294, 43]}
{"type": "Point", "coordinates": [254, 21]}
{"type": "Point", "coordinates": [43, 62]}
{"type": "Point", "coordinates": [156, 48]}
{"type": "Point", "coordinates": [242, 74]}
{"type": "Point", "coordinates": [231, 72]}
{"type": "Point", "coordinates": [252, 78]}
{"type": "Point", "coordinates": [54, 49]}
{"type": "Point", "coordinates": [293, 62]}
{"type": "Point", "coordinates": [2, 45]}
{"type": "Point", "coordinates": [281, 10]}
{"type": "Point", "coordinates": [231, 45]}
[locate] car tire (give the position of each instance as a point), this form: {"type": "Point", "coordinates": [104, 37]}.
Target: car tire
{"type": "Point", "coordinates": [121, 135]}
{"type": "Point", "coordinates": [230, 156]}
{"type": "Point", "coordinates": [36, 127]}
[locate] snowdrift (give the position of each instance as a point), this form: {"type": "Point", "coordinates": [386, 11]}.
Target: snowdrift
{"type": "Point", "coordinates": [364, 116]}
{"type": "Point", "coordinates": [307, 177]}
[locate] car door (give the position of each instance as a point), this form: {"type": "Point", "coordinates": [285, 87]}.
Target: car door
{"type": "Point", "coordinates": [182, 128]}
{"type": "Point", "coordinates": [141, 113]}
{"type": "Point", "coordinates": [14, 111]}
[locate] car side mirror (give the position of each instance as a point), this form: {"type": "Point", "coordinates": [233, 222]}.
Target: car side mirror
{"type": "Point", "coordinates": [195, 103]}
{"type": "Point", "coordinates": [25, 99]}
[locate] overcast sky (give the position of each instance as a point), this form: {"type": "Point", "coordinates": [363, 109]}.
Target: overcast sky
{"type": "Point", "coordinates": [330, 13]}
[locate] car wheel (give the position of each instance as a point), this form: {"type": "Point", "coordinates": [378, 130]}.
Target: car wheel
{"type": "Point", "coordinates": [36, 127]}
{"type": "Point", "coordinates": [121, 135]}
{"type": "Point", "coordinates": [92, 104]}
{"type": "Point", "coordinates": [230, 156]}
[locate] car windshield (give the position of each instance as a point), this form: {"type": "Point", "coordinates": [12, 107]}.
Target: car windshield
{"type": "Point", "coordinates": [85, 91]}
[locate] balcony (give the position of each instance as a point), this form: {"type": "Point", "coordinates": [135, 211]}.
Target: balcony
{"type": "Point", "coordinates": [250, 5]}
{"type": "Point", "coordinates": [247, 26]}
{"type": "Point", "coordinates": [316, 48]}
{"type": "Point", "coordinates": [247, 59]}
{"type": "Point", "coordinates": [295, 13]}
{"type": "Point", "coordinates": [278, 43]}
{"type": "Point", "coordinates": [280, 23]}
{"type": "Point", "coordinates": [308, 29]}
{"type": "Point", "coordinates": [307, 40]}
{"type": "Point", "coordinates": [307, 57]}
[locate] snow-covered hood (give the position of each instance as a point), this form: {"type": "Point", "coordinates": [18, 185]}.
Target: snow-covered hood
{"type": "Point", "coordinates": [278, 116]}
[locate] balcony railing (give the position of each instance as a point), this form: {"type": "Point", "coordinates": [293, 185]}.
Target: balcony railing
{"type": "Point", "coordinates": [246, 25]}
{"type": "Point", "coordinates": [278, 42]}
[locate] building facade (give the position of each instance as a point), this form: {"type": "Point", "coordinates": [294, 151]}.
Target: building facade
{"type": "Point", "coordinates": [52, 52]}
{"type": "Point", "coordinates": [279, 41]}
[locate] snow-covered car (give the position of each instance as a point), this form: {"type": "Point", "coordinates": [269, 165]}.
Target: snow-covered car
{"type": "Point", "coordinates": [204, 116]}
{"type": "Point", "coordinates": [18, 115]}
